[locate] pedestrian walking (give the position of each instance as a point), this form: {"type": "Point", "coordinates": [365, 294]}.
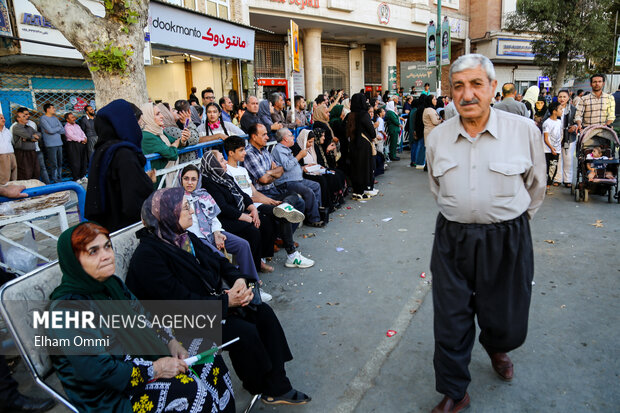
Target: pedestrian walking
{"type": "Point", "coordinates": [487, 173]}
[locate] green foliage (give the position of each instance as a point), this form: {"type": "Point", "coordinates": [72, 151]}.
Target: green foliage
{"type": "Point", "coordinates": [110, 58]}
{"type": "Point", "coordinates": [569, 33]}
{"type": "Point", "coordinates": [123, 11]}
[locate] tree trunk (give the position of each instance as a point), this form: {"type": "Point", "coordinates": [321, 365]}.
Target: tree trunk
{"type": "Point", "coordinates": [82, 29]}
{"type": "Point", "coordinates": [561, 74]}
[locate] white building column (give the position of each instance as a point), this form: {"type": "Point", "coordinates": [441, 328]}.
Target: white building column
{"type": "Point", "coordinates": [313, 66]}
{"type": "Point", "coordinates": [388, 58]}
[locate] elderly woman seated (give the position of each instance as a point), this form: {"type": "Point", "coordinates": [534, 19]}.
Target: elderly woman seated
{"type": "Point", "coordinates": [117, 378]}
{"type": "Point", "coordinates": [173, 264]}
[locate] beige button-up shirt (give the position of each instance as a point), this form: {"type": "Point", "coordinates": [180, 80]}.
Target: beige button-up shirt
{"type": "Point", "coordinates": [493, 177]}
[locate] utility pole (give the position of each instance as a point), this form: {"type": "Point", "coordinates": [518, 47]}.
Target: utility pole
{"type": "Point", "coordinates": [438, 49]}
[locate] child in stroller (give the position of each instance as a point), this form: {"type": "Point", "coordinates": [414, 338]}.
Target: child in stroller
{"type": "Point", "coordinates": [593, 169]}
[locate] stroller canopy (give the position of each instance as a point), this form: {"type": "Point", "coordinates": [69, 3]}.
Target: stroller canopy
{"type": "Point", "coordinates": [598, 135]}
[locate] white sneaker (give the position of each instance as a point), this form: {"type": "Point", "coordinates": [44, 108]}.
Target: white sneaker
{"type": "Point", "coordinates": [289, 213]}
{"type": "Point", "coordinates": [266, 297]}
{"type": "Point", "coordinates": [299, 261]}
{"type": "Point", "coordinates": [374, 192]}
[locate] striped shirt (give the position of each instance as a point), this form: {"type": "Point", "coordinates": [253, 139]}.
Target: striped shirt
{"type": "Point", "coordinates": [596, 111]}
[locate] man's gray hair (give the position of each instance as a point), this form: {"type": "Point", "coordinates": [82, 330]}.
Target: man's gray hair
{"type": "Point", "coordinates": [247, 99]}
{"type": "Point", "coordinates": [472, 61]}
{"type": "Point", "coordinates": [274, 97]}
{"type": "Point", "coordinates": [281, 133]}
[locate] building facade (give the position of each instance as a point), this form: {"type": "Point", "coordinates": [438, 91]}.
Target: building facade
{"type": "Point", "coordinates": [346, 44]}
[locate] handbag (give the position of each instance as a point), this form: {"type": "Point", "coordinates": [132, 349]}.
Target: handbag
{"type": "Point", "coordinates": [372, 147]}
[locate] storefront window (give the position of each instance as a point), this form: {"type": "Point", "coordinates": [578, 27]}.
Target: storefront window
{"type": "Point", "coordinates": [372, 65]}
{"type": "Point", "coordinates": [218, 8]}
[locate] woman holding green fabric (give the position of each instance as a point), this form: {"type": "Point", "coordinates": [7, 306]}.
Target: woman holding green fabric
{"type": "Point", "coordinates": [112, 381]}
{"type": "Point", "coordinates": [155, 140]}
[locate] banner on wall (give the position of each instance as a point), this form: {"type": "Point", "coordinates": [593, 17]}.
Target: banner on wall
{"type": "Point", "coordinates": [431, 45]}
{"type": "Point", "coordinates": [185, 30]}
{"type": "Point", "coordinates": [295, 45]}
{"type": "Point", "coordinates": [445, 42]}
{"type": "Point", "coordinates": [5, 22]}
{"type": "Point", "coordinates": [393, 87]}
{"type": "Point", "coordinates": [416, 74]}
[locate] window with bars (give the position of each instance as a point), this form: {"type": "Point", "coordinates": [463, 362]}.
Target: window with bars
{"type": "Point", "coordinates": [269, 59]}
{"type": "Point", "coordinates": [335, 67]}
{"type": "Point", "coordinates": [372, 66]}
{"type": "Point", "coordinates": [218, 8]}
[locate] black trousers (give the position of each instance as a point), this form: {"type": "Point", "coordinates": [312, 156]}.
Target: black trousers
{"type": "Point", "coordinates": [77, 155]}
{"type": "Point", "coordinates": [483, 271]}
{"type": "Point", "coordinates": [270, 225]}
{"type": "Point", "coordinates": [259, 356]}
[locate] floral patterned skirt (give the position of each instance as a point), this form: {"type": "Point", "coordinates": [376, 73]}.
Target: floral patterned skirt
{"type": "Point", "coordinates": [205, 388]}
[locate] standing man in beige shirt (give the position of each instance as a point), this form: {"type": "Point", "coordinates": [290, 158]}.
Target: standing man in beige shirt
{"type": "Point", "coordinates": [487, 174]}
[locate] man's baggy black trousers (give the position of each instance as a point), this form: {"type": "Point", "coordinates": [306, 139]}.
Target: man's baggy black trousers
{"type": "Point", "coordinates": [482, 270]}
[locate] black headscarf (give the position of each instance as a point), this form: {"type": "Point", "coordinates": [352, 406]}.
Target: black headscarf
{"type": "Point", "coordinates": [117, 127]}
{"type": "Point", "coordinates": [211, 169]}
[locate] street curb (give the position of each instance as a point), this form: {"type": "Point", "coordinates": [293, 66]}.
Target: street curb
{"type": "Point", "coordinates": [364, 379]}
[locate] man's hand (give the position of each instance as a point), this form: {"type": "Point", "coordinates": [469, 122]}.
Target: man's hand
{"type": "Point", "coordinates": [553, 152]}
{"type": "Point", "coordinates": [276, 126]}
{"type": "Point", "coordinates": [255, 217]}
{"type": "Point", "coordinates": [220, 239]}
{"type": "Point", "coordinates": [177, 350]}
{"type": "Point", "coordinates": [572, 129]}
{"type": "Point", "coordinates": [151, 174]}
{"type": "Point", "coordinates": [13, 191]}
{"type": "Point", "coordinates": [184, 115]}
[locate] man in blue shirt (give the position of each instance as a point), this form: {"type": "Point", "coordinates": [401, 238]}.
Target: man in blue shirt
{"type": "Point", "coordinates": [292, 178]}
{"type": "Point", "coordinates": [227, 108]}
{"type": "Point", "coordinates": [51, 129]}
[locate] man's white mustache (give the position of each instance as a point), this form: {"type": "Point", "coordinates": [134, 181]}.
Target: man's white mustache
{"type": "Point", "coordinates": [469, 102]}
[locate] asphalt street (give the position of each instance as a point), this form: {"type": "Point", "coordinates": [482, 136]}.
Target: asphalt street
{"type": "Point", "coordinates": [367, 280]}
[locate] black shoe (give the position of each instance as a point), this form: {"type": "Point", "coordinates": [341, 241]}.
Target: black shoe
{"type": "Point", "coordinates": [395, 158]}
{"type": "Point", "coordinates": [412, 164]}
{"type": "Point", "coordinates": [316, 224]}
{"type": "Point", "coordinates": [28, 404]}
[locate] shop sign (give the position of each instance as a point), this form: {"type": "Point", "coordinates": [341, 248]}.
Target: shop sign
{"type": "Point", "coordinates": [514, 47]}
{"type": "Point", "coordinates": [271, 82]}
{"type": "Point", "coordinates": [302, 4]}
{"type": "Point", "coordinates": [5, 21]}
{"type": "Point", "coordinates": [416, 74]}
{"type": "Point", "coordinates": [32, 26]}
{"type": "Point", "coordinates": [431, 46]}
{"type": "Point", "coordinates": [384, 13]}
{"type": "Point", "coordinates": [295, 45]}
{"type": "Point", "coordinates": [172, 27]}
{"type": "Point", "coordinates": [369, 88]}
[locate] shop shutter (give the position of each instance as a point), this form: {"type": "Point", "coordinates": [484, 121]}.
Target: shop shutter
{"type": "Point", "coordinates": [335, 67]}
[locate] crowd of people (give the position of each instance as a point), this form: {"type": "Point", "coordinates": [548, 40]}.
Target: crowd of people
{"type": "Point", "coordinates": [281, 164]}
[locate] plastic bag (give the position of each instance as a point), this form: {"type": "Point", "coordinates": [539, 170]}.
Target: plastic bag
{"type": "Point", "coordinates": [18, 259]}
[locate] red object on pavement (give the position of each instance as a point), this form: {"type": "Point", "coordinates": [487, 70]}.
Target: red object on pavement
{"type": "Point", "coordinates": [390, 333]}
{"type": "Point", "coordinates": [348, 207]}
{"type": "Point", "coordinates": [423, 275]}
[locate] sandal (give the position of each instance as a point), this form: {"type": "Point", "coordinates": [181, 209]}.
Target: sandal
{"type": "Point", "coordinates": [556, 184]}
{"type": "Point", "coordinates": [292, 397]}
{"type": "Point", "coordinates": [568, 185]}
{"type": "Point", "coordinates": [264, 268]}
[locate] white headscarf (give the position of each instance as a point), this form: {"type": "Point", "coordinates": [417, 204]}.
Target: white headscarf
{"type": "Point", "coordinates": [302, 140]}
{"type": "Point", "coordinates": [149, 125]}
{"type": "Point", "coordinates": [390, 106]}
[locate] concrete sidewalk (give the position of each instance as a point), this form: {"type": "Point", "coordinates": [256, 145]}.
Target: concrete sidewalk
{"type": "Point", "coordinates": [336, 314]}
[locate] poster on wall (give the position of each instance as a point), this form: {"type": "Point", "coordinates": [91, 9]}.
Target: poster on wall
{"type": "Point", "coordinates": [431, 45]}
{"type": "Point", "coordinates": [445, 42]}
{"type": "Point", "coordinates": [416, 74]}
{"type": "Point", "coordinates": [392, 79]}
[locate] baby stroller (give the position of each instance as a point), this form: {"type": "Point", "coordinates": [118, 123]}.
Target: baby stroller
{"type": "Point", "coordinates": [605, 180]}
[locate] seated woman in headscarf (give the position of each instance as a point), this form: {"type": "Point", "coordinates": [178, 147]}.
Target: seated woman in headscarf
{"type": "Point", "coordinates": [238, 213]}
{"type": "Point", "coordinates": [215, 127]}
{"type": "Point", "coordinates": [138, 367]}
{"type": "Point", "coordinates": [265, 109]}
{"type": "Point", "coordinates": [209, 229]}
{"type": "Point", "coordinates": [155, 140]}
{"type": "Point", "coordinates": [111, 199]}
{"type": "Point", "coordinates": [172, 264]}
{"type": "Point", "coordinates": [174, 124]}
{"type": "Point", "coordinates": [331, 191]}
